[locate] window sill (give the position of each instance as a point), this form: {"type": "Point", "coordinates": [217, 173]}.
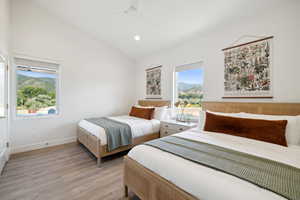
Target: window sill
{"type": "Point", "coordinates": [36, 117]}
{"type": "Point", "coordinates": [192, 118]}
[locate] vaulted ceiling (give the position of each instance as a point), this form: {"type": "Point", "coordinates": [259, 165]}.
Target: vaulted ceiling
{"type": "Point", "coordinates": [159, 23]}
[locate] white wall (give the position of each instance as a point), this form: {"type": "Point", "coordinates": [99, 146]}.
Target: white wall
{"type": "Point", "coordinates": [282, 22]}
{"type": "Point", "coordinates": [96, 80]}
{"type": "Point", "coordinates": [4, 26]}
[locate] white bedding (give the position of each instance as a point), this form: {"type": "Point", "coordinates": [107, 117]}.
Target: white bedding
{"type": "Point", "coordinates": [139, 127]}
{"type": "Point", "coordinates": [206, 183]}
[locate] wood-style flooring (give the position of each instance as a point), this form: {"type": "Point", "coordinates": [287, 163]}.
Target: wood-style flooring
{"type": "Point", "coordinates": [66, 172]}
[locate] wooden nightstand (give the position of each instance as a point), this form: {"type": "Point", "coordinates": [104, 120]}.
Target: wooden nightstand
{"type": "Point", "coordinates": [170, 127]}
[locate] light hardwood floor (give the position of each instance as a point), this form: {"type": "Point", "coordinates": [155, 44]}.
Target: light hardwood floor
{"type": "Point", "coordinates": [66, 172]}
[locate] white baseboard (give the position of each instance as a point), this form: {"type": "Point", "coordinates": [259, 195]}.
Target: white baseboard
{"type": "Point", "coordinates": [3, 159]}
{"type": "Point", "coordinates": [41, 145]}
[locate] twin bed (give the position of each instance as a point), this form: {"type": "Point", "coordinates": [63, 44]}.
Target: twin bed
{"type": "Point", "coordinates": [153, 172]}
{"type": "Point", "coordinates": [94, 137]}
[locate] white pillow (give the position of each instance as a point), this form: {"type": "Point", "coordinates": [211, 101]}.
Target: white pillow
{"type": "Point", "coordinates": [159, 112]}
{"type": "Point", "coordinates": [292, 131]}
{"type": "Point", "coordinates": [203, 117]}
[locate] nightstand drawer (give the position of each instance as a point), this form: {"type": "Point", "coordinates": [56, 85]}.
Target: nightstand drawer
{"type": "Point", "coordinates": [171, 127]}
{"type": "Point", "coordinates": [174, 127]}
{"type": "Point", "coordinates": [166, 132]}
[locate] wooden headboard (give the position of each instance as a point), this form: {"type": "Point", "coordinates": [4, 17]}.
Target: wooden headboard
{"type": "Point", "coordinates": [255, 108]}
{"type": "Point", "coordinates": [155, 103]}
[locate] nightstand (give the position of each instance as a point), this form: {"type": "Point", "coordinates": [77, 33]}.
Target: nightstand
{"type": "Point", "coordinates": [170, 127]}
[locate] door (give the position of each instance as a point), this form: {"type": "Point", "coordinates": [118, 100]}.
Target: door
{"type": "Point", "coordinates": [3, 111]}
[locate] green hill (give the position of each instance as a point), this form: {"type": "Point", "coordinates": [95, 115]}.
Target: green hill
{"type": "Point", "coordinates": [189, 88]}
{"type": "Point", "coordinates": [45, 83]}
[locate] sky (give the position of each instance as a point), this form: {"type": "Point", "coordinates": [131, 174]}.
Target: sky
{"type": "Point", "coordinates": [192, 76]}
{"type": "Point", "coordinates": [36, 74]}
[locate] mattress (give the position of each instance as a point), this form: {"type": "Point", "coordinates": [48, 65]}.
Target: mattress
{"type": "Point", "coordinates": [206, 183]}
{"type": "Point", "coordinates": [139, 127]}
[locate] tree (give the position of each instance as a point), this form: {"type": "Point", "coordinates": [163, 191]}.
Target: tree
{"type": "Point", "coordinates": [35, 98]}
{"type": "Point", "coordinates": [45, 100]}
{"type": "Point", "coordinates": [33, 105]}
{"type": "Point", "coordinates": [31, 91]}
{"type": "Point", "coordinates": [36, 103]}
{"type": "Point", "coordinates": [21, 98]}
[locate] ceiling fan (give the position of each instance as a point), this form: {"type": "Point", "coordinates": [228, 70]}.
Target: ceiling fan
{"type": "Point", "coordinates": [133, 7]}
{"type": "Point", "coordinates": [134, 11]}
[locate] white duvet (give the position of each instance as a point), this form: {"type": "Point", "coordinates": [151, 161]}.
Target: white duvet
{"type": "Point", "coordinates": [209, 184]}
{"type": "Point", "coordinates": [139, 127]}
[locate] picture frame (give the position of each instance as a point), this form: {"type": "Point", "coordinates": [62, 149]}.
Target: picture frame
{"type": "Point", "coordinates": [248, 70]}
{"type": "Point", "coordinates": [153, 83]}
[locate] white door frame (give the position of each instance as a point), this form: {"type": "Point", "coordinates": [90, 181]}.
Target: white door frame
{"type": "Point", "coordinates": [4, 154]}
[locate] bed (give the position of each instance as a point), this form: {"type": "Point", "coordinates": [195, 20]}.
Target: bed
{"type": "Point", "coordinates": [153, 174]}
{"type": "Point", "coordinates": [93, 137]}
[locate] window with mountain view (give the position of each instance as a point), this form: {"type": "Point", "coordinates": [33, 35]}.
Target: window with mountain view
{"type": "Point", "coordinates": [189, 89]}
{"type": "Point", "coordinates": [36, 91]}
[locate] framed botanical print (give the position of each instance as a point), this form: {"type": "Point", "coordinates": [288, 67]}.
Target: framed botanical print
{"type": "Point", "coordinates": [153, 83]}
{"type": "Point", "coordinates": [248, 70]}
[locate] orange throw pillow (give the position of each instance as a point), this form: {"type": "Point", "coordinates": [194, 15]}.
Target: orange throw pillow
{"type": "Point", "coordinates": [145, 113]}
{"type": "Point", "coordinates": [264, 130]}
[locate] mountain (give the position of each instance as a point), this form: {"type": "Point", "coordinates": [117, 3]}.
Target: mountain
{"type": "Point", "coordinates": [189, 88]}
{"type": "Point", "coordinates": [46, 83]}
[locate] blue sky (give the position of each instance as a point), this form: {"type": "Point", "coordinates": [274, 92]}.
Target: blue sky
{"type": "Point", "coordinates": [193, 76]}
{"type": "Point", "coordinates": [36, 74]}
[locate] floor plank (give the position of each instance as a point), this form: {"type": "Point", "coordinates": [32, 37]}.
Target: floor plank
{"type": "Point", "coordinates": [67, 172]}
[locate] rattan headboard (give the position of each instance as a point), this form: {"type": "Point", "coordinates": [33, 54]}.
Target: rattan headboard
{"type": "Point", "coordinates": [155, 103]}
{"type": "Point", "coordinates": [256, 108]}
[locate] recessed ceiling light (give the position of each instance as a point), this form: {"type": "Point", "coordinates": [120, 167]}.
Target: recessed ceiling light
{"type": "Point", "coordinates": [137, 37]}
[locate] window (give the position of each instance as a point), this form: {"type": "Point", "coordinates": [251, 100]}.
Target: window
{"type": "Point", "coordinates": [189, 88]}
{"type": "Point", "coordinates": [2, 87]}
{"type": "Point", "coordinates": [36, 88]}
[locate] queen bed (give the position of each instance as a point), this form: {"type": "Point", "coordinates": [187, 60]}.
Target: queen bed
{"type": "Point", "coordinates": [153, 173]}
{"type": "Point", "coordinates": [94, 137]}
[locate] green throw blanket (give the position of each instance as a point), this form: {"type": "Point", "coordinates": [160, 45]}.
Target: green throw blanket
{"type": "Point", "coordinates": [279, 178]}
{"type": "Point", "coordinates": [117, 133]}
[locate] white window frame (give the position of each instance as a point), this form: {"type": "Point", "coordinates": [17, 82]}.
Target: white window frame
{"type": "Point", "coordinates": [5, 103]}
{"type": "Point", "coordinates": [195, 65]}
{"type": "Point", "coordinates": [42, 63]}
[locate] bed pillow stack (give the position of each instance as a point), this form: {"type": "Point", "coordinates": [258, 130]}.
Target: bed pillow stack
{"type": "Point", "coordinates": [159, 113]}
{"type": "Point", "coordinates": [271, 131]}
{"type": "Point", "coordinates": [144, 113]}
{"type": "Point", "coordinates": [202, 117]}
{"type": "Point", "coordinates": [292, 131]}
{"type": "Point", "coordinates": [292, 128]}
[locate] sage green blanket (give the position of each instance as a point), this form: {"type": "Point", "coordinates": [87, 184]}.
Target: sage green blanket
{"type": "Point", "coordinates": [279, 178]}
{"type": "Point", "coordinates": [117, 133]}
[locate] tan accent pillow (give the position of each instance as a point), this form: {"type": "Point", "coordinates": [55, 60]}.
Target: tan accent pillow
{"type": "Point", "coordinates": [264, 130]}
{"type": "Point", "coordinates": [145, 113]}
